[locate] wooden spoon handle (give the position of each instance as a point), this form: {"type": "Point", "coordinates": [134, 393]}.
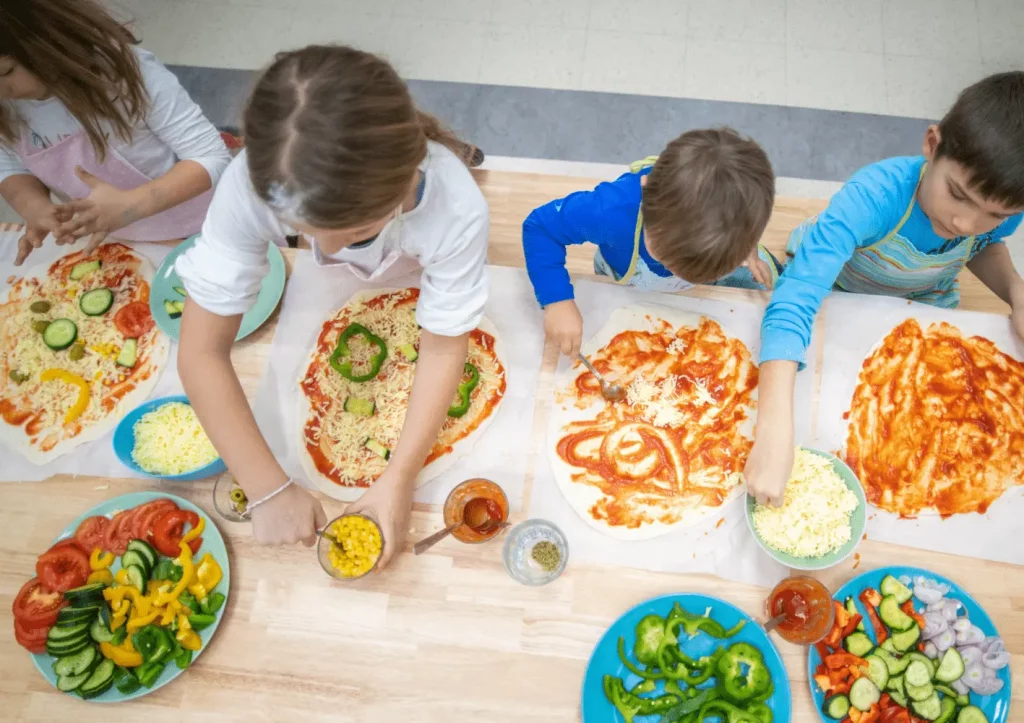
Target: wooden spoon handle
{"type": "Point", "coordinates": [427, 542]}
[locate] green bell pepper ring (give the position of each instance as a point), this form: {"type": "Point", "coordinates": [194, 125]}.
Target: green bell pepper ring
{"type": "Point", "coordinates": [644, 686]}
{"type": "Point", "coordinates": [693, 624]}
{"type": "Point", "coordinates": [149, 672]}
{"type": "Point", "coordinates": [466, 388]}
{"type": "Point", "coordinates": [688, 707]}
{"type": "Point", "coordinates": [761, 712]}
{"type": "Point", "coordinates": [735, 629]}
{"type": "Point", "coordinates": [154, 643]}
{"type": "Point", "coordinates": [727, 712]}
{"type": "Point", "coordinates": [615, 691]}
{"type": "Point", "coordinates": [699, 671]}
{"type": "Point", "coordinates": [632, 668]}
{"type": "Point", "coordinates": [742, 673]}
{"type": "Point", "coordinates": [341, 359]}
{"type": "Point", "coordinates": [650, 640]}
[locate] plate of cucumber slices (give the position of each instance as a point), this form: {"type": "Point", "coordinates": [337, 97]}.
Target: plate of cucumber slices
{"type": "Point", "coordinates": [909, 645]}
{"type": "Point", "coordinates": [142, 616]}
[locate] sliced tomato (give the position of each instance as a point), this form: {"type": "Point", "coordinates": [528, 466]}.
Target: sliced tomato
{"type": "Point", "coordinates": [35, 606]}
{"type": "Point", "coordinates": [146, 515]}
{"type": "Point", "coordinates": [170, 528]}
{"type": "Point", "coordinates": [91, 533]}
{"type": "Point", "coordinates": [63, 567]}
{"type": "Point", "coordinates": [33, 640]}
{"type": "Point", "coordinates": [133, 320]}
{"type": "Point", "coordinates": [119, 532]}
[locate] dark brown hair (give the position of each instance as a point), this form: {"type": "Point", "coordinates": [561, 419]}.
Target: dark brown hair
{"type": "Point", "coordinates": [85, 59]}
{"type": "Point", "coordinates": [707, 202]}
{"type": "Point", "coordinates": [984, 132]}
{"type": "Point", "coordinates": [333, 137]}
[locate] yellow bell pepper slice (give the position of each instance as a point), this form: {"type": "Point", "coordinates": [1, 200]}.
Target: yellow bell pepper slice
{"type": "Point", "coordinates": [136, 623]}
{"type": "Point", "coordinates": [122, 578]}
{"type": "Point", "coordinates": [121, 656]}
{"type": "Point", "coordinates": [195, 531]}
{"type": "Point", "coordinates": [167, 615]}
{"type": "Point", "coordinates": [100, 560]}
{"type": "Point", "coordinates": [82, 403]}
{"type": "Point", "coordinates": [189, 639]}
{"type": "Point", "coordinates": [208, 574]}
{"type": "Point", "coordinates": [103, 576]}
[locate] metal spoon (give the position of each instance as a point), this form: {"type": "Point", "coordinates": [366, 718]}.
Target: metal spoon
{"type": "Point", "coordinates": [611, 392]}
{"type": "Point", "coordinates": [774, 623]}
{"type": "Point", "coordinates": [486, 527]}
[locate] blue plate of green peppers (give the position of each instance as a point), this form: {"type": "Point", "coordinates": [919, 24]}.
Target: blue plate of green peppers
{"type": "Point", "coordinates": [686, 658]}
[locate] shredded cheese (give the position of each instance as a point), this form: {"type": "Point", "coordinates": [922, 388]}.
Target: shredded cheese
{"type": "Point", "coordinates": [171, 441]}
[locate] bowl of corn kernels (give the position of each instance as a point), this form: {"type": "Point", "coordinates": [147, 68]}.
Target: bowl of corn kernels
{"type": "Point", "coordinates": [355, 549]}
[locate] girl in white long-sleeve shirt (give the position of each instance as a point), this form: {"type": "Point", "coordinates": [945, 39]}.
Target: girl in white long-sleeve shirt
{"type": "Point", "coordinates": [336, 151]}
{"type": "Point", "coordinates": [87, 115]}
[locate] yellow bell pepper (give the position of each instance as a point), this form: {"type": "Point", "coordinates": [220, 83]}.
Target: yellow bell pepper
{"type": "Point", "coordinates": [187, 577]}
{"type": "Point", "coordinates": [100, 560]}
{"type": "Point", "coordinates": [124, 656]}
{"type": "Point", "coordinates": [141, 621]}
{"type": "Point", "coordinates": [121, 609]}
{"type": "Point", "coordinates": [186, 636]}
{"type": "Point", "coordinates": [122, 578]}
{"type": "Point", "coordinates": [82, 403]}
{"type": "Point", "coordinates": [195, 531]}
{"type": "Point", "coordinates": [103, 576]}
{"type": "Point", "coordinates": [208, 574]}
{"type": "Point", "coordinates": [168, 614]}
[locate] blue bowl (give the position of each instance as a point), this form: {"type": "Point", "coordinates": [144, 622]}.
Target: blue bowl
{"type": "Point", "coordinates": [124, 443]}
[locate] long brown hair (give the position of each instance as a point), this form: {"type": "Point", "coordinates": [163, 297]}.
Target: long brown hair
{"type": "Point", "coordinates": [85, 59]}
{"type": "Point", "coordinates": [333, 137]}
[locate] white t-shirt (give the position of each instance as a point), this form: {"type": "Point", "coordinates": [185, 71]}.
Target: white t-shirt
{"type": "Point", "coordinates": [174, 128]}
{"type": "Point", "coordinates": [447, 233]}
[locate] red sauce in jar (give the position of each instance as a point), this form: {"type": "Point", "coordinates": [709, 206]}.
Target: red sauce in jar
{"type": "Point", "coordinates": [807, 607]}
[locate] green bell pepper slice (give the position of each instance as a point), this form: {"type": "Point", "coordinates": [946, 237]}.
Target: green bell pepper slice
{"type": "Point", "coordinates": [212, 603]}
{"type": "Point", "coordinates": [154, 643]}
{"type": "Point", "coordinates": [693, 624]}
{"type": "Point", "coordinates": [341, 359]}
{"type": "Point", "coordinates": [466, 387]}
{"type": "Point", "coordinates": [742, 673]}
{"type": "Point", "coordinates": [149, 672]}
{"type": "Point", "coordinates": [182, 658]}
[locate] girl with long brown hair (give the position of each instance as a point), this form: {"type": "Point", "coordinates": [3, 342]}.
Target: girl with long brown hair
{"type": "Point", "coordinates": [337, 151]}
{"type": "Point", "coordinates": [89, 116]}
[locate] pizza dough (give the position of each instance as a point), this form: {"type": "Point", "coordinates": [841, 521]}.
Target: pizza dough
{"type": "Point", "coordinates": [670, 456]}
{"type": "Point", "coordinates": [34, 413]}
{"type": "Point", "coordinates": [347, 471]}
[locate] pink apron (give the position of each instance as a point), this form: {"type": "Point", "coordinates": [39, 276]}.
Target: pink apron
{"type": "Point", "coordinates": [55, 167]}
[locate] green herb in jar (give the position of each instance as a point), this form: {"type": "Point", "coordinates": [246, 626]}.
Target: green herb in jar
{"type": "Point", "coordinates": [547, 555]}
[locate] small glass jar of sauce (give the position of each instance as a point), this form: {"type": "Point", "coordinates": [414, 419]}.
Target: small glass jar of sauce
{"type": "Point", "coordinates": [807, 607]}
{"type": "Point", "coordinates": [481, 505]}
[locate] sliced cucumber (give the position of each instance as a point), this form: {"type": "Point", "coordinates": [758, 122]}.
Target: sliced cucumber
{"type": "Point", "coordinates": [96, 302]}
{"type": "Point", "coordinates": [971, 714]}
{"type": "Point", "coordinates": [65, 632]}
{"type": "Point", "coordinates": [858, 644]}
{"type": "Point", "coordinates": [893, 662]}
{"type": "Point", "coordinates": [836, 706]}
{"type": "Point", "coordinates": [907, 639]}
{"type": "Point", "coordinates": [377, 448]}
{"type": "Point", "coordinates": [930, 708]}
{"type": "Point", "coordinates": [409, 352]}
{"type": "Point", "coordinates": [129, 354]}
{"type": "Point", "coordinates": [77, 664]}
{"type": "Point", "coordinates": [892, 616]}
{"type": "Point", "coordinates": [132, 558]}
{"type": "Point", "coordinates": [878, 672]}
{"type": "Point", "coordinates": [100, 632]}
{"type": "Point", "coordinates": [917, 674]}
{"type": "Point", "coordinates": [963, 700]}
{"type": "Point", "coordinates": [864, 694]}
{"type": "Point", "coordinates": [887, 645]}
{"type": "Point", "coordinates": [171, 307]}
{"type": "Point", "coordinates": [81, 270]}
{"type": "Point", "coordinates": [70, 615]}
{"type": "Point", "coordinates": [136, 576]}
{"type": "Point", "coordinates": [86, 595]}
{"type": "Point", "coordinates": [361, 407]}
{"type": "Point", "coordinates": [851, 607]}
{"type": "Point", "coordinates": [951, 667]}
{"type": "Point", "coordinates": [70, 683]}
{"type": "Point", "coordinates": [891, 586]}
{"type": "Point", "coordinates": [921, 657]}
{"type": "Point", "coordinates": [896, 684]}
{"type": "Point", "coordinates": [99, 681]}
{"type": "Point", "coordinates": [180, 290]}
{"type": "Point", "coordinates": [60, 334]}
{"type": "Point", "coordinates": [68, 646]}
{"type": "Point", "coordinates": [948, 713]}
{"type": "Point", "coordinates": [899, 698]}
{"type": "Point", "coordinates": [919, 692]}
{"type": "Point", "coordinates": [144, 549]}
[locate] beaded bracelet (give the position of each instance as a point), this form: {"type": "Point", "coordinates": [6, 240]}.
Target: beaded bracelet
{"type": "Point", "coordinates": [253, 505]}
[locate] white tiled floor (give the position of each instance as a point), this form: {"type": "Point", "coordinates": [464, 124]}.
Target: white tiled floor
{"type": "Point", "coordinates": [896, 57]}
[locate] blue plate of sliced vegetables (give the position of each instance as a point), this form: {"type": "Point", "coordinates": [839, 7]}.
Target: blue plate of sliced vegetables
{"type": "Point", "coordinates": [678, 658]}
{"type": "Point", "coordinates": [119, 612]}
{"type": "Point", "coordinates": [911, 645]}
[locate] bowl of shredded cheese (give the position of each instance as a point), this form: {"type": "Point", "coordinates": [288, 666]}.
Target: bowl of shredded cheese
{"type": "Point", "coordinates": [822, 518]}
{"type": "Point", "coordinates": [164, 439]}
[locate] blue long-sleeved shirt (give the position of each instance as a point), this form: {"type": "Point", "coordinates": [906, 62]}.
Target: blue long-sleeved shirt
{"type": "Point", "coordinates": [862, 213]}
{"type": "Point", "coordinates": [605, 216]}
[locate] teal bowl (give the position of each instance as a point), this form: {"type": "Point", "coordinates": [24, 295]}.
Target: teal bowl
{"type": "Point", "coordinates": [858, 521]}
{"type": "Point", "coordinates": [124, 443]}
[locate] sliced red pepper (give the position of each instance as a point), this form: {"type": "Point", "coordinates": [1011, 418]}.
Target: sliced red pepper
{"type": "Point", "coordinates": [824, 682]}
{"type": "Point", "coordinates": [842, 614]}
{"type": "Point", "coordinates": [837, 661]}
{"type": "Point", "coordinates": [851, 625]}
{"type": "Point", "coordinates": [871, 596]}
{"type": "Point", "coordinates": [881, 632]}
{"type": "Point", "coordinates": [834, 638]}
{"type": "Point", "coordinates": [823, 651]}
{"type": "Point", "coordinates": [908, 608]}
{"type": "Point", "coordinates": [872, 715]}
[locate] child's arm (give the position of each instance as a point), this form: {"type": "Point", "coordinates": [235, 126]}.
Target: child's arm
{"type": "Point", "coordinates": [852, 217]}
{"type": "Point", "coordinates": [30, 199]}
{"type": "Point", "coordinates": [994, 267]}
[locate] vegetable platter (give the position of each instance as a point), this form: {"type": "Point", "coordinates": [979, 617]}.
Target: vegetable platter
{"type": "Point", "coordinates": [126, 598]}
{"type": "Point", "coordinates": [909, 645]}
{"type": "Point", "coordinates": [685, 658]}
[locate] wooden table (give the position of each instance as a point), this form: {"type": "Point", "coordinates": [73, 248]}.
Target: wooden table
{"type": "Point", "coordinates": [444, 637]}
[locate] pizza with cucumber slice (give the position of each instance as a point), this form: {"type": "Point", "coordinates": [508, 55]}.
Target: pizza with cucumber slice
{"type": "Point", "coordinates": [355, 391]}
{"type": "Point", "coordinates": [78, 349]}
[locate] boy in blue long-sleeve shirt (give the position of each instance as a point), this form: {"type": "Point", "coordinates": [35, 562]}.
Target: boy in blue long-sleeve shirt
{"type": "Point", "coordinates": [693, 215]}
{"type": "Point", "coordinates": [901, 227]}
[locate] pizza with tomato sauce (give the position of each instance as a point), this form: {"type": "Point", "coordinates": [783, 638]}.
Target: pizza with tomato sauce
{"type": "Point", "coordinates": [78, 348]}
{"type": "Point", "coordinates": [936, 422]}
{"type": "Point", "coordinates": [356, 387]}
{"type": "Point", "coordinates": [670, 454]}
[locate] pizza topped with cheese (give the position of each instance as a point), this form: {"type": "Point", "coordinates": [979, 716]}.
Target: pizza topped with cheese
{"type": "Point", "coordinates": [672, 452]}
{"type": "Point", "coordinates": [77, 347]}
{"type": "Point", "coordinates": [356, 387]}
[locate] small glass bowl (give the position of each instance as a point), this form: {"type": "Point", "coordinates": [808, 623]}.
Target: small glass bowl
{"type": "Point", "coordinates": [222, 499]}
{"type": "Point", "coordinates": [461, 495]}
{"type": "Point", "coordinates": [323, 546]}
{"type": "Point", "coordinates": [519, 544]}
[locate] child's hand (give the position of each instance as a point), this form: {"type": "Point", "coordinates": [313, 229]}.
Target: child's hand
{"type": "Point", "coordinates": [761, 271]}
{"type": "Point", "coordinates": [389, 502]}
{"type": "Point", "coordinates": [37, 228]}
{"type": "Point", "coordinates": [563, 324]}
{"type": "Point", "coordinates": [768, 469]}
{"type": "Point", "coordinates": [106, 209]}
{"type": "Point", "coordinates": [292, 516]}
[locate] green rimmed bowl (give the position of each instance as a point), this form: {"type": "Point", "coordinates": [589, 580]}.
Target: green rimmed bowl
{"type": "Point", "coordinates": [858, 521]}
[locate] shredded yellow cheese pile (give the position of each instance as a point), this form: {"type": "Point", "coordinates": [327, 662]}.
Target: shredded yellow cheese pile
{"type": "Point", "coordinates": [169, 441]}
{"type": "Point", "coordinates": [814, 519]}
